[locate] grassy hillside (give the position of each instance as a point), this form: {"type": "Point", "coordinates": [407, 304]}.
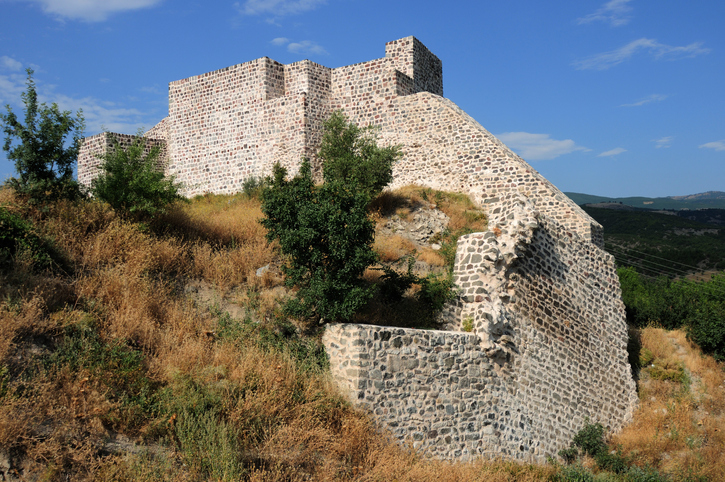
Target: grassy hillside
{"type": "Point", "coordinates": [146, 353]}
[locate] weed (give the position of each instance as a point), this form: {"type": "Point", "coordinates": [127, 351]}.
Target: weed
{"type": "Point", "coordinates": [467, 324]}
{"type": "Point", "coordinates": [119, 367]}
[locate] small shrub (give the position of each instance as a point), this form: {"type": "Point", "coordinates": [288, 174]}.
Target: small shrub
{"type": "Point", "coordinates": [647, 474]}
{"type": "Point", "coordinates": [590, 439]}
{"type": "Point", "coordinates": [253, 186]}
{"type": "Point", "coordinates": [393, 285]}
{"type": "Point", "coordinates": [18, 235]}
{"type": "Point", "coordinates": [569, 455]}
{"type": "Point", "coordinates": [467, 326]}
{"type": "Point", "coordinates": [131, 182]}
{"type": "Point", "coordinates": [574, 473]}
{"type": "Point", "coordinates": [449, 245]}
{"type": "Point", "coordinates": [436, 291]}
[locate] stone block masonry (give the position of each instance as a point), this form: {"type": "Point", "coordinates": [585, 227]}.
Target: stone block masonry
{"type": "Point", "coordinates": [547, 338]}
{"type": "Point", "coordinates": [93, 147]}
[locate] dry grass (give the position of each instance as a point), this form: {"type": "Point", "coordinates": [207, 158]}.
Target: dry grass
{"type": "Point", "coordinates": [459, 208]}
{"type": "Point", "coordinates": [392, 248]}
{"type": "Point", "coordinates": [679, 427]}
{"type": "Point", "coordinates": [431, 257]}
{"type": "Point", "coordinates": [232, 400]}
{"type": "Point", "coordinates": [226, 220]}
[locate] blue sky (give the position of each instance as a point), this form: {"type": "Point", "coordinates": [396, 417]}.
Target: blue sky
{"type": "Point", "coordinates": [615, 98]}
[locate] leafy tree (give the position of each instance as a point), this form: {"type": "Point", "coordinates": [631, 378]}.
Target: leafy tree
{"type": "Point", "coordinates": [351, 154]}
{"type": "Point", "coordinates": [43, 160]}
{"type": "Point", "coordinates": [131, 182]}
{"type": "Point", "coordinates": [326, 232]}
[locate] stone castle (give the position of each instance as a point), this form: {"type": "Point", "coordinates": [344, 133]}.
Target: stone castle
{"type": "Point", "coordinates": [545, 339]}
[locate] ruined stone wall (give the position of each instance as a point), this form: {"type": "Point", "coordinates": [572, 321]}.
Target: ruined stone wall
{"type": "Point", "coordinates": [546, 349]}
{"type": "Point", "coordinates": [446, 149]}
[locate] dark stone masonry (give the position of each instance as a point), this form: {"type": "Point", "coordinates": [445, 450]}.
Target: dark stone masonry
{"type": "Point", "coordinates": [536, 341]}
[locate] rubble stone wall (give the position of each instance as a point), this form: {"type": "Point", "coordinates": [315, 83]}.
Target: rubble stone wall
{"type": "Point", "coordinates": [537, 345]}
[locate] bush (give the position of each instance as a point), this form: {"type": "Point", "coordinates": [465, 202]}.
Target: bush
{"type": "Point", "coordinates": [17, 234]}
{"type": "Point", "coordinates": [351, 155]}
{"type": "Point", "coordinates": [590, 439]}
{"type": "Point", "coordinates": [132, 183]}
{"type": "Point", "coordinates": [699, 307]}
{"type": "Point", "coordinates": [42, 161]}
{"type": "Point", "coordinates": [326, 232]}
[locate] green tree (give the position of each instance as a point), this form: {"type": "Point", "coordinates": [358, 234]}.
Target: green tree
{"type": "Point", "coordinates": [43, 158]}
{"type": "Point", "coordinates": [131, 182]}
{"type": "Point", "coordinates": [351, 154]}
{"type": "Point", "coordinates": [326, 232]}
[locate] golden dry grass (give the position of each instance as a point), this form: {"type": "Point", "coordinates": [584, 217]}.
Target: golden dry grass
{"type": "Point", "coordinates": [679, 428]}
{"type": "Point", "coordinates": [459, 208]}
{"type": "Point", "coordinates": [392, 248]}
{"type": "Point", "coordinates": [288, 422]}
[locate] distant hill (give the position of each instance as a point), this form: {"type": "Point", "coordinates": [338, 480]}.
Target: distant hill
{"type": "Point", "coordinates": [706, 200]}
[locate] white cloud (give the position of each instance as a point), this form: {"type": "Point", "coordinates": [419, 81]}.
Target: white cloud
{"type": "Point", "coordinates": [647, 100]}
{"type": "Point", "coordinates": [607, 60]}
{"type": "Point", "coordinates": [538, 147]}
{"type": "Point", "coordinates": [11, 86]}
{"type": "Point", "coordinates": [612, 152]}
{"type": "Point", "coordinates": [102, 115]}
{"type": "Point", "coordinates": [663, 142]}
{"type": "Point", "coordinates": [99, 114]}
{"type": "Point", "coordinates": [301, 47]}
{"type": "Point", "coordinates": [614, 12]}
{"type": "Point", "coordinates": [9, 63]}
{"type": "Point", "coordinates": [91, 10]}
{"type": "Point", "coordinates": [306, 47]}
{"type": "Point", "coordinates": [277, 7]}
{"type": "Point", "coordinates": [717, 145]}
{"type": "Point", "coordinates": [279, 41]}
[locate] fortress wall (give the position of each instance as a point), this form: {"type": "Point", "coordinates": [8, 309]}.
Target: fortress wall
{"type": "Point", "coordinates": [310, 78]}
{"type": "Point", "coordinates": [412, 58]}
{"type": "Point", "coordinates": [315, 82]}
{"type": "Point", "coordinates": [539, 293]}
{"type": "Point", "coordinates": [572, 329]}
{"type": "Point", "coordinates": [546, 351]}
{"type": "Point", "coordinates": [446, 149]}
{"type": "Point", "coordinates": [100, 144]}
{"type": "Point", "coordinates": [232, 124]}
{"type": "Point", "coordinates": [359, 89]}
{"type": "Point", "coordinates": [547, 346]}
{"type": "Point", "coordinates": [160, 131]}
{"type": "Point", "coordinates": [435, 390]}
{"type": "Point", "coordinates": [88, 160]}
